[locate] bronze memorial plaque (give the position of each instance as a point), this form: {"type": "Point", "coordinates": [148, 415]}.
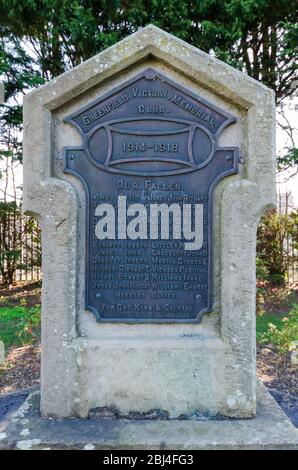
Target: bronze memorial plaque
{"type": "Point", "coordinates": [149, 163]}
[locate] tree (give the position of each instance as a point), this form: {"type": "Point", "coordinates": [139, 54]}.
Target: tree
{"type": "Point", "coordinates": [18, 72]}
{"type": "Point", "coordinates": [257, 36]}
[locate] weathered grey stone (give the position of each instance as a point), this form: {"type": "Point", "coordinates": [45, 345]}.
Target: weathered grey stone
{"type": "Point", "coordinates": [181, 369]}
{"type": "Point", "coordinates": [270, 429]}
{"type": "Point", "coordinates": [2, 92]}
{"type": "Point", "coordinates": [2, 352]}
{"type": "Point", "coordinates": [294, 353]}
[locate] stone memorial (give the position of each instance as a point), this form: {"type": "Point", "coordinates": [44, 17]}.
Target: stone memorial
{"type": "Point", "coordinates": [149, 167]}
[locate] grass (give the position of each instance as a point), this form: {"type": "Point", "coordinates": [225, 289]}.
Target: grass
{"type": "Point", "coordinates": [19, 325]}
{"type": "Point", "coordinates": [20, 317]}
{"type": "Point", "coordinates": [280, 331]}
{"type": "Point", "coordinates": [264, 320]}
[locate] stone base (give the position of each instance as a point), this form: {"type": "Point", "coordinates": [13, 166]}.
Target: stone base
{"type": "Point", "coordinates": [270, 429]}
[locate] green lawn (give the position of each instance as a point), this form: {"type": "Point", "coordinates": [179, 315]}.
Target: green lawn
{"type": "Point", "coordinates": [264, 320]}
{"type": "Point", "coordinates": [278, 330]}
{"type": "Point", "coordinates": [19, 325]}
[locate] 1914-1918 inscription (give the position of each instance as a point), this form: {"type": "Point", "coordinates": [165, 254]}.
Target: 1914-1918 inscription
{"type": "Point", "coordinates": [149, 163]}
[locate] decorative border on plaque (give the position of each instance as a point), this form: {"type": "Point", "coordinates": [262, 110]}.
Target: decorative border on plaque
{"type": "Point", "coordinates": [150, 129]}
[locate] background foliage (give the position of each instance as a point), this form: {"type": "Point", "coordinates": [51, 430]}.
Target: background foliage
{"type": "Point", "coordinates": [40, 39]}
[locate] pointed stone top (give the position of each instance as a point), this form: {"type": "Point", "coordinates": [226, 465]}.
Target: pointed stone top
{"type": "Point", "coordinates": [152, 42]}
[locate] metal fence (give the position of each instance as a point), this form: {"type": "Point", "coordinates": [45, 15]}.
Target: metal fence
{"type": "Point", "coordinates": [285, 206]}
{"type": "Point", "coordinates": [20, 246]}
{"type": "Point", "coordinates": [292, 262]}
